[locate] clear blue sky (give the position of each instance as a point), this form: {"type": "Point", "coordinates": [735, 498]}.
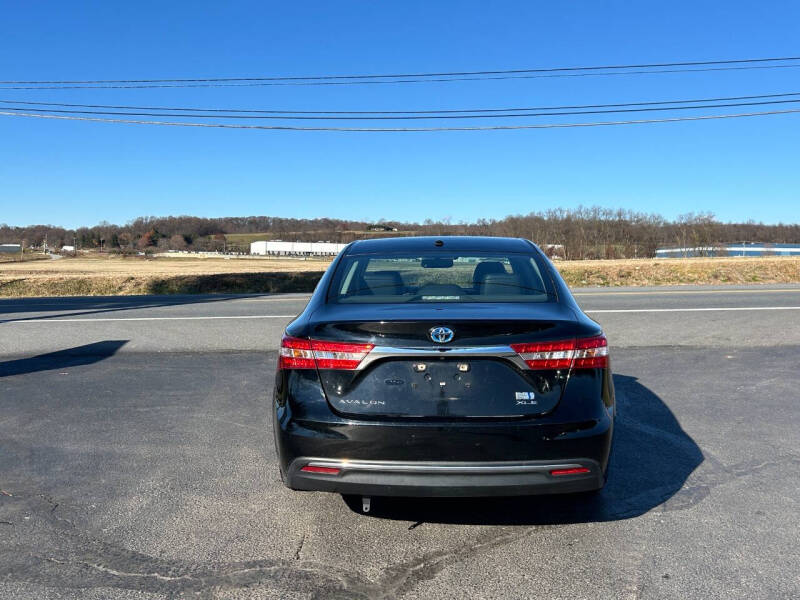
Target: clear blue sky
{"type": "Point", "coordinates": [72, 173]}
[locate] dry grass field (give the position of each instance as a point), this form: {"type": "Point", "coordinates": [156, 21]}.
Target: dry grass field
{"type": "Point", "coordinates": [115, 265]}
{"type": "Point", "coordinates": [677, 271]}
{"type": "Point", "coordinates": [15, 258]}
{"type": "Point", "coordinates": [115, 275]}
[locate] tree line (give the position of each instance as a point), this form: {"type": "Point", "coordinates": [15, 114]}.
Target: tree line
{"type": "Point", "coordinates": [582, 233]}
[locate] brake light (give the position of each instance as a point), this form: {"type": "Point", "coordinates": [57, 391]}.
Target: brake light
{"type": "Point", "coordinates": [547, 355]}
{"type": "Point", "coordinates": [591, 353]}
{"type": "Point", "coordinates": [296, 353]}
{"type": "Point", "coordinates": [339, 355]}
{"type": "Point", "coordinates": [583, 353]}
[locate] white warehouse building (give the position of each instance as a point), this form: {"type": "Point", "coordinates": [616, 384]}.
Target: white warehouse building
{"type": "Point", "coordinates": [296, 248]}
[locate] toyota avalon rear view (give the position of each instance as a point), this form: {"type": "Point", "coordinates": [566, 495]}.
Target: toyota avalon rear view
{"type": "Point", "coordinates": [452, 366]}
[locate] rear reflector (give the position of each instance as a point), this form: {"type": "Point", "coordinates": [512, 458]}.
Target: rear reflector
{"type": "Point", "coordinates": [583, 353]}
{"type": "Point", "coordinates": [323, 470]}
{"type": "Point", "coordinates": [574, 471]}
{"type": "Point", "coordinates": [298, 353]}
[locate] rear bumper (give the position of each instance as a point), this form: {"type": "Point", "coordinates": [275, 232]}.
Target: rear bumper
{"type": "Point", "coordinates": [426, 457]}
{"type": "Point", "coordinates": [446, 479]}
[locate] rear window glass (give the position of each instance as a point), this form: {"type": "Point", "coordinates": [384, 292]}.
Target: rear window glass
{"type": "Point", "coordinates": [440, 277]}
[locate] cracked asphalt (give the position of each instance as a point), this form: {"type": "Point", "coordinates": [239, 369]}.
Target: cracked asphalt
{"type": "Point", "coordinates": [133, 473]}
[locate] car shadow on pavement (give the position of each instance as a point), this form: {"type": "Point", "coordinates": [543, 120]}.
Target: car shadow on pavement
{"type": "Point", "coordinates": [238, 283]}
{"type": "Point", "coordinates": [71, 357]}
{"type": "Point", "coordinates": [652, 458]}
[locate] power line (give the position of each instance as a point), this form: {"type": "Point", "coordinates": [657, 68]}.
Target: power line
{"type": "Point", "coordinates": [417, 75]}
{"type": "Point", "coordinates": [403, 117]}
{"type": "Point", "coordinates": [400, 129]}
{"type": "Point", "coordinates": [399, 112]}
{"type": "Point", "coordinates": [372, 81]}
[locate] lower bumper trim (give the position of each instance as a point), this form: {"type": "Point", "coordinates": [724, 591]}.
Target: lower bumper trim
{"type": "Point", "coordinates": [445, 479]}
{"type": "Point", "coordinates": [476, 468]}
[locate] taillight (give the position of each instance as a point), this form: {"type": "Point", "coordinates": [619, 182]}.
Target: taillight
{"type": "Point", "coordinates": [583, 353]}
{"type": "Point", "coordinates": [339, 355]}
{"type": "Point", "coordinates": [295, 354]}
{"type": "Point", "coordinates": [298, 353]}
{"type": "Point", "coordinates": [591, 353]}
{"type": "Point", "coordinates": [547, 355]}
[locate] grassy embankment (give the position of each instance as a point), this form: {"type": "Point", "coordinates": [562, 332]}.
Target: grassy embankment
{"type": "Point", "coordinates": [114, 275]}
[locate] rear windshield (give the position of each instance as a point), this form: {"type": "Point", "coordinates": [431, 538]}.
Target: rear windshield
{"type": "Point", "coordinates": [440, 277]}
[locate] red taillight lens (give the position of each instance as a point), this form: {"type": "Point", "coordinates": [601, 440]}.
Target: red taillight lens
{"type": "Point", "coordinates": [583, 353]}
{"type": "Point", "coordinates": [296, 353]}
{"type": "Point", "coordinates": [573, 471]}
{"type": "Point", "coordinates": [339, 355]}
{"type": "Point", "coordinates": [591, 353]}
{"type": "Point", "coordinates": [547, 355]}
{"type": "Point", "coordinates": [323, 470]}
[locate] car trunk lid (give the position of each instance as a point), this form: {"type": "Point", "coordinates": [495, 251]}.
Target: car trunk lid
{"type": "Point", "coordinates": [477, 375]}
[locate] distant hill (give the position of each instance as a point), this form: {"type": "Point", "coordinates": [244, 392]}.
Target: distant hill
{"type": "Point", "coordinates": [583, 232]}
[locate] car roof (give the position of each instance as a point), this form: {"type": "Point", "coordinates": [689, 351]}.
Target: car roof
{"type": "Point", "coordinates": [444, 243]}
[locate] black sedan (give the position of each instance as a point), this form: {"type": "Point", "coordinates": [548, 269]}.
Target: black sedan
{"type": "Point", "coordinates": [452, 366]}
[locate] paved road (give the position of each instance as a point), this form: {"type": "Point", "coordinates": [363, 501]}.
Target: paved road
{"type": "Point", "coordinates": [131, 470]}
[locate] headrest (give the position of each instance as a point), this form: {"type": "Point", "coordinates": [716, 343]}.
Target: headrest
{"type": "Point", "coordinates": [497, 285]}
{"type": "Point", "coordinates": [384, 283]}
{"type": "Point", "coordinates": [485, 268]}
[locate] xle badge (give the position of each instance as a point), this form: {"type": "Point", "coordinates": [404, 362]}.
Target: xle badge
{"type": "Point", "coordinates": [525, 398]}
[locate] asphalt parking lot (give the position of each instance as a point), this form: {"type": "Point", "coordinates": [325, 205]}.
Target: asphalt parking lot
{"type": "Point", "coordinates": [136, 462]}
